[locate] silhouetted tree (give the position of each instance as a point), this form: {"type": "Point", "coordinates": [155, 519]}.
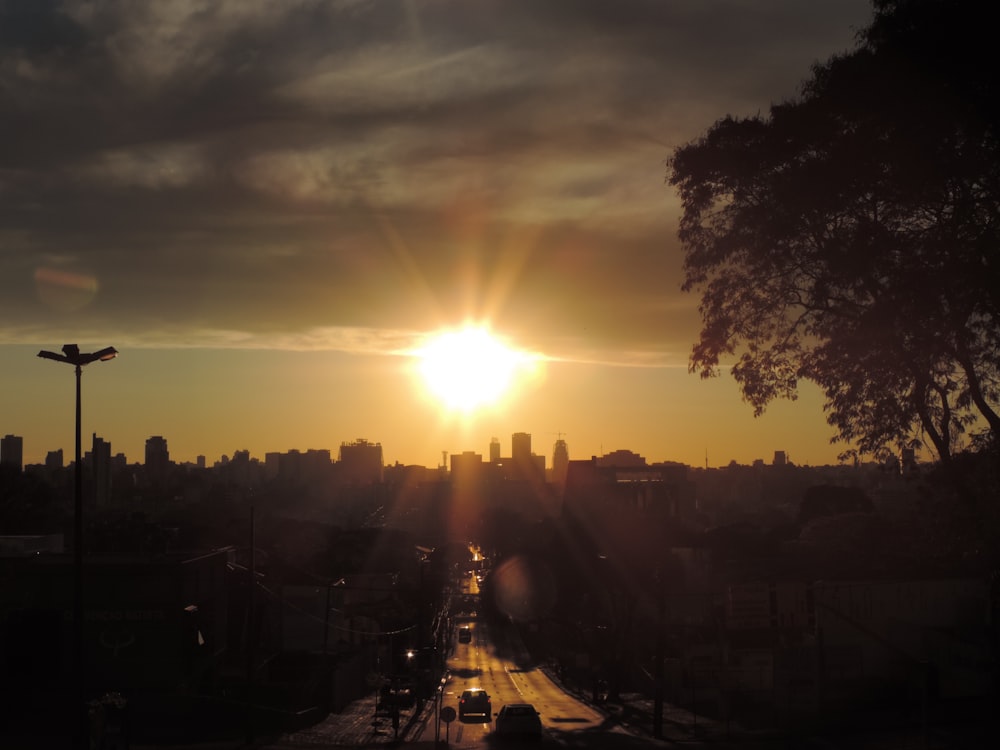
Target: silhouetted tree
{"type": "Point", "coordinates": [850, 238]}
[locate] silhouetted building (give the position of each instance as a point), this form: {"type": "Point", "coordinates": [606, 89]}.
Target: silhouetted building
{"type": "Point", "coordinates": [466, 468]}
{"type": "Point", "coordinates": [361, 462]}
{"type": "Point", "coordinates": [520, 448]}
{"type": "Point", "coordinates": [272, 465]}
{"type": "Point", "coordinates": [54, 459]}
{"type": "Point", "coordinates": [157, 458]}
{"type": "Point", "coordinates": [597, 491]}
{"type": "Point", "coordinates": [238, 471]}
{"type": "Point", "coordinates": [560, 462]}
{"type": "Point", "coordinates": [101, 468]}
{"type": "Point", "coordinates": [494, 451]}
{"type": "Point", "coordinates": [289, 466]}
{"type": "Point", "coordinates": [316, 464]}
{"type": "Point", "coordinates": [621, 459]}
{"type": "Point", "coordinates": [522, 464]}
{"type": "Point", "coordinates": [12, 451]}
{"type": "Point", "coordinates": [780, 459]}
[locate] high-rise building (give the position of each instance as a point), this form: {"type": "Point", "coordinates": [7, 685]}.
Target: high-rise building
{"type": "Point", "coordinates": [54, 459]}
{"type": "Point", "coordinates": [12, 451]}
{"type": "Point", "coordinates": [101, 458]}
{"type": "Point", "coordinates": [523, 463]}
{"type": "Point", "coordinates": [361, 462]}
{"type": "Point", "coordinates": [272, 464]}
{"type": "Point", "coordinates": [520, 448]}
{"type": "Point", "coordinates": [316, 464]}
{"type": "Point", "coordinates": [466, 467]}
{"type": "Point", "coordinates": [560, 462]}
{"type": "Point", "coordinates": [157, 457]}
{"type": "Point", "coordinates": [290, 465]}
{"type": "Point", "coordinates": [494, 451]}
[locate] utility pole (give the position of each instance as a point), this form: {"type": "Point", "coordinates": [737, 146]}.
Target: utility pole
{"type": "Point", "coordinates": [251, 617]}
{"type": "Point", "coordinates": [659, 656]}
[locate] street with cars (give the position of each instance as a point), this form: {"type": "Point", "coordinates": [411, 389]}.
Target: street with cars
{"type": "Point", "coordinates": [499, 694]}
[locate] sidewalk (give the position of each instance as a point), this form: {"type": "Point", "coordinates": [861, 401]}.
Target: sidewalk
{"type": "Point", "coordinates": [353, 727]}
{"type": "Point", "coordinates": [357, 726]}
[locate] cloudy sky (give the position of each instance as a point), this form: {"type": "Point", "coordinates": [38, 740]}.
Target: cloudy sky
{"type": "Point", "coordinates": [264, 204]}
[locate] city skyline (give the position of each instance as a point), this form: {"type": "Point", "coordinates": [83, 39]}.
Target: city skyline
{"type": "Point", "coordinates": [267, 209]}
{"type": "Point", "coordinates": [483, 448]}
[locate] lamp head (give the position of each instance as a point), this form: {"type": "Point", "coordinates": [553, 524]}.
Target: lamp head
{"type": "Point", "coordinates": [73, 356]}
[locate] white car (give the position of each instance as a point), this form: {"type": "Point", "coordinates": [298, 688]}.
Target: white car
{"type": "Point", "coordinates": [518, 720]}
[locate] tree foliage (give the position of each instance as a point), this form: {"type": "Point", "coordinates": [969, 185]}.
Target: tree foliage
{"type": "Point", "coordinates": [850, 237]}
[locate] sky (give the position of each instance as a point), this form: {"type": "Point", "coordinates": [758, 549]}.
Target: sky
{"type": "Point", "coordinates": [268, 207]}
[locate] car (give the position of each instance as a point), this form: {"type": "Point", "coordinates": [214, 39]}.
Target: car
{"type": "Point", "coordinates": [518, 720]}
{"type": "Point", "coordinates": [475, 702]}
{"type": "Point", "coordinates": [464, 634]}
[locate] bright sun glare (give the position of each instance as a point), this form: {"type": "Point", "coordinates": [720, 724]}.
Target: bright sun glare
{"type": "Point", "coordinates": [470, 368]}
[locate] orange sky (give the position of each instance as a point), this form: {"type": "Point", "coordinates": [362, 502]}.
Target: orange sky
{"type": "Point", "coordinates": [212, 403]}
{"type": "Point", "coordinates": [260, 205]}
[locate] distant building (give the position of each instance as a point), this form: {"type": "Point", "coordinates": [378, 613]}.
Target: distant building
{"type": "Point", "coordinates": [290, 466]}
{"type": "Point", "coordinates": [598, 491]}
{"type": "Point", "coordinates": [316, 464]}
{"type": "Point", "coordinates": [296, 467]}
{"type": "Point", "coordinates": [494, 451]}
{"type": "Point", "coordinates": [560, 462]}
{"type": "Point", "coordinates": [361, 462]}
{"type": "Point", "coordinates": [466, 468]}
{"type": "Point", "coordinates": [520, 448]}
{"type": "Point", "coordinates": [272, 465]}
{"type": "Point", "coordinates": [621, 459]}
{"type": "Point", "coordinates": [780, 459]}
{"type": "Point", "coordinates": [54, 459]}
{"type": "Point", "coordinates": [238, 471]}
{"type": "Point", "coordinates": [522, 464]}
{"type": "Point", "coordinates": [101, 466]}
{"type": "Point", "coordinates": [157, 458]}
{"type": "Point", "coordinates": [12, 451]}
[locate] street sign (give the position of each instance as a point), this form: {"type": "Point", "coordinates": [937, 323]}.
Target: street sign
{"type": "Point", "coordinates": [448, 714]}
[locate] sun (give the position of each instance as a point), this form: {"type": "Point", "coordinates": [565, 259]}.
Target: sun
{"type": "Point", "coordinates": [470, 368]}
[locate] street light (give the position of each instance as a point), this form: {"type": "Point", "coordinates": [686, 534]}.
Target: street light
{"type": "Point", "coordinates": [73, 356]}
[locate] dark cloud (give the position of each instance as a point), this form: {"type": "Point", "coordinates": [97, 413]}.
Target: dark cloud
{"type": "Point", "coordinates": [37, 27]}
{"type": "Point", "coordinates": [287, 166]}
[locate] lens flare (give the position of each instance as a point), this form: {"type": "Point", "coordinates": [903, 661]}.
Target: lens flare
{"type": "Point", "coordinates": [523, 589]}
{"type": "Point", "coordinates": [65, 290]}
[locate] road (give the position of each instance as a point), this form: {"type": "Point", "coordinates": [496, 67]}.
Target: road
{"type": "Point", "coordinates": [496, 661]}
{"type": "Point", "coordinates": [499, 666]}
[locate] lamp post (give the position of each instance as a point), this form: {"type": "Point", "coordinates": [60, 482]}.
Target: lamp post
{"type": "Point", "coordinates": [73, 356]}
